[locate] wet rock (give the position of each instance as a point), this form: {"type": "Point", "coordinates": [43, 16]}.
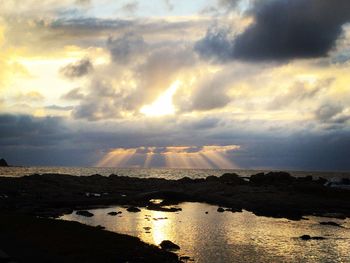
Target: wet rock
{"type": "Point", "coordinates": [168, 245]}
{"type": "Point", "coordinates": [84, 213]}
{"type": "Point", "coordinates": [220, 210]}
{"type": "Point", "coordinates": [330, 223]}
{"type": "Point", "coordinates": [113, 213]}
{"type": "Point", "coordinates": [308, 237]}
{"type": "Point", "coordinates": [156, 207]}
{"type": "Point", "coordinates": [3, 163]}
{"type": "Point", "coordinates": [133, 209]}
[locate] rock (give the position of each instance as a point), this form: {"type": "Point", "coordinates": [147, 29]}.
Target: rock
{"type": "Point", "coordinates": [113, 213]}
{"type": "Point", "coordinates": [272, 178]}
{"type": "Point", "coordinates": [307, 237]}
{"type": "Point", "coordinates": [231, 178]}
{"type": "Point", "coordinates": [147, 228]}
{"type": "Point", "coordinates": [3, 163]}
{"type": "Point", "coordinates": [168, 245]}
{"type": "Point", "coordinates": [330, 223]}
{"type": "Point", "coordinates": [156, 207]}
{"type": "Point", "coordinates": [221, 210]}
{"type": "Point", "coordinates": [206, 212]}
{"type": "Point", "coordinates": [84, 213]}
{"type": "Point", "coordinates": [185, 180]}
{"type": "Point", "coordinates": [211, 178]}
{"type": "Point", "coordinates": [133, 209]}
{"type": "Point", "coordinates": [100, 227]}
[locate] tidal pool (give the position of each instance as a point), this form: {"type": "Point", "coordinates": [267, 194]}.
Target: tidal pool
{"type": "Point", "coordinates": [229, 237]}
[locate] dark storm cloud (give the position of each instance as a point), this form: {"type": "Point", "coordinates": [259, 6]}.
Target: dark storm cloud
{"type": "Point", "coordinates": [77, 69]}
{"type": "Point", "coordinates": [282, 30]}
{"type": "Point", "coordinates": [26, 130]}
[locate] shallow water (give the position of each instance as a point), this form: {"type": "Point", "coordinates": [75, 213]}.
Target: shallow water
{"type": "Point", "coordinates": [229, 237]}
{"type": "Point", "coordinates": [167, 173]}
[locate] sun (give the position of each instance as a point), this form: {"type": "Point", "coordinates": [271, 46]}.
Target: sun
{"type": "Point", "coordinates": [164, 103]}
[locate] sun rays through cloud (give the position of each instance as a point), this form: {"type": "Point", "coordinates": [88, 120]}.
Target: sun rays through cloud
{"type": "Point", "coordinates": [189, 157]}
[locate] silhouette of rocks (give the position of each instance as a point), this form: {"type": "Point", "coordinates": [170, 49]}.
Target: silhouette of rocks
{"type": "Point", "coordinates": [272, 178]}
{"type": "Point", "coordinates": [168, 245]}
{"type": "Point", "coordinates": [114, 213]}
{"type": "Point", "coordinates": [308, 237]}
{"type": "Point", "coordinates": [84, 213]}
{"type": "Point", "coordinates": [133, 209]}
{"type": "Point", "coordinates": [3, 163]}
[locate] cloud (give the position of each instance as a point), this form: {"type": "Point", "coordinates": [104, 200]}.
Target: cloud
{"type": "Point", "coordinates": [130, 7]}
{"type": "Point", "coordinates": [282, 30]}
{"type": "Point", "coordinates": [57, 141]}
{"type": "Point", "coordinates": [299, 92]}
{"type": "Point", "coordinates": [126, 48]}
{"type": "Point", "coordinates": [77, 69]}
{"type": "Point", "coordinates": [59, 108]}
{"type": "Point", "coordinates": [74, 94]}
{"type": "Point", "coordinates": [332, 114]}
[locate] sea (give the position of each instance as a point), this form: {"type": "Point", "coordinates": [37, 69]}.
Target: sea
{"type": "Point", "coordinates": [206, 236]}
{"type": "Point", "coordinates": [166, 173]}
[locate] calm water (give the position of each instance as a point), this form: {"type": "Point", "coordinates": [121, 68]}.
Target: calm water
{"type": "Point", "coordinates": [144, 173]}
{"type": "Point", "coordinates": [230, 237]}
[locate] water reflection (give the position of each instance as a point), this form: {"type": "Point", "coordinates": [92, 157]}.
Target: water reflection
{"type": "Point", "coordinates": [230, 237]}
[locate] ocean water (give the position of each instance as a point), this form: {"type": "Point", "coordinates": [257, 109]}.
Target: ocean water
{"type": "Point", "coordinates": [167, 173]}
{"type": "Point", "coordinates": [229, 237]}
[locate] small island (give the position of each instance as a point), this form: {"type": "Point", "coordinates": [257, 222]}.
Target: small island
{"type": "Point", "coordinates": [3, 163]}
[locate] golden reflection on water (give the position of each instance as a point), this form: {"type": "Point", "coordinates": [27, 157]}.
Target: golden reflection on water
{"type": "Point", "coordinates": [229, 237]}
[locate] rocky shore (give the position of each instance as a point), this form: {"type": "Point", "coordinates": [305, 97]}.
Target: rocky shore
{"type": "Point", "coordinates": [24, 199]}
{"type": "Point", "coordinates": [275, 194]}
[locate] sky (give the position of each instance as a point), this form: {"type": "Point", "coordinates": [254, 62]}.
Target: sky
{"type": "Point", "coordinates": [244, 84]}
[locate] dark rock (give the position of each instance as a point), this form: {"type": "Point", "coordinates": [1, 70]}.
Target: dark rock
{"type": "Point", "coordinates": [234, 209]}
{"type": "Point", "coordinates": [113, 213]}
{"type": "Point", "coordinates": [186, 258]}
{"type": "Point", "coordinates": [308, 237]}
{"type": "Point", "coordinates": [305, 179]}
{"type": "Point", "coordinates": [168, 245]}
{"type": "Point", "coordinates": [221, 210]}
{"type": "Point", "coordinates": [3, 163]}
{"type": "Point", "coordinates": [100, 227]}
{"type": "Point", "coordinates": [157, 207]}
{"type": "Point", "coordinates": [272, 178]}
{"type": "Point", "coordinates": [206, 212]}
{"type": "Point", "coordinates": [212, 178]}
{"type": "Point", "coordinates": [231, 178]}
{"type": "Point", "coordinates": [330, 223]}
{"type": "Point", "coordinates": [321, 181]}
{"type": "Point", "coordinates": [84, 213]}
{"type": "Point", "coordinates": [185, 180]}
{"type": "Point", "coordinates": [133, 209]}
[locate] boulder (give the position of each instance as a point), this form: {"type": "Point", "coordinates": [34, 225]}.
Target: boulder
{"type": "Point", "coordinates": [84, 213]}
{"type": "Point", "coordinates": [168, 245]}
{"type": "Point", "coordinates": [114, 213]}
{"type": "Point", "coordinates": [3, 163]}
{"type": "Point", "coordinates": [220, 210]}
{"type": "Point", "coordinates": [133, 209]}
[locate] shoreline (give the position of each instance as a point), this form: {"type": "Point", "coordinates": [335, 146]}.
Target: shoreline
{"type": "Point", "coordinates": [275, 194]}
